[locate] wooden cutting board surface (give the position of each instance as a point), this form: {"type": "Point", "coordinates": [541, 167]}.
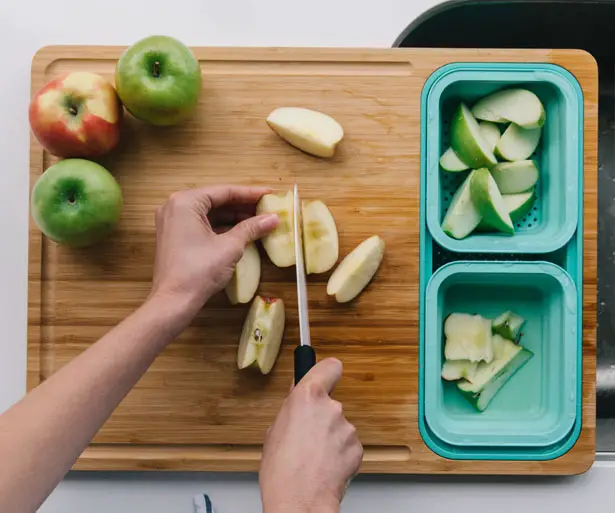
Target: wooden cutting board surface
{"type": "Point", "coordinates": [194, 410]}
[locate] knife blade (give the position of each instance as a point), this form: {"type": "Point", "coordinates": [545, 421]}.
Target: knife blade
{"type": "Point", "coordinates": [305, 356]}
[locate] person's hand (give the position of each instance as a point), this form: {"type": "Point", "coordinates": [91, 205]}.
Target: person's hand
{"type": "Point", "coordinates": [201, 235]}
{"type": "Point", "coordinates": [311, 451]}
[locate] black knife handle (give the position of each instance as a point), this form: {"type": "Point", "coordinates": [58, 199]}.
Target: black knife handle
{"type": "Point", "coordinates": [305, 359]}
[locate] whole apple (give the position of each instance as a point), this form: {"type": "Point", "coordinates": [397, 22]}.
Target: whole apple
{"type": "Point", "coordinates": [76, 115]}
{"type": "Point", "coordinates": [159, 80]}
{"type": "Point", "coordinates": [76, 202]}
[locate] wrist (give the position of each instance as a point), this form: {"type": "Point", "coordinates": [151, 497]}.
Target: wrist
{"type": "Point", "coordinates": [315, 506]}
{"type": "Point", "coordinates": [175, 311]}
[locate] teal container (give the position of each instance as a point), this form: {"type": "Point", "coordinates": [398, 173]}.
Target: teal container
{"type": "Point", "coordinates": [538, 405]}
{"type": "Point", "coordinates": [494, 268]}
{"type": "Point", "coordinates": [554, 217]}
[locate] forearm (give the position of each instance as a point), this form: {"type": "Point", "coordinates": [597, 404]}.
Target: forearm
{"type": "Point", "coordinates": [42, 435]}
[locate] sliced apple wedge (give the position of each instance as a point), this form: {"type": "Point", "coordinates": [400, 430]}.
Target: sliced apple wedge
{"type": "Point", "coordinates": [490, 132]}
{"type": "Point", "coordinates": [518, 206]}
{"type": "Point", "coordinates": [320, 241]}
{"type": "Point", "coordinates": [247, 275]}
{"type": "Point", "coordinates": [309, 130]}
{"type": "Point", "coordinates": [518, 143]}
{"type": "Point", "coordinates": [515, 177]}
{"type": "Point", "coordinates": [279, 244]}
{"type": "Point", "coordinates": [516, 105]}
{"type": "Point", "coordinates": [468, 142]}
{"type": "Point", "coordinates": [489, 202]}
{"type": "Point", "coordinates": [356, 270]}
{"type": "Point", "coordinates": [462, 215]}
{"type": "Point", "coordinates": [449, 161]}
{"type": "Point", "coordinates": [262, 334]}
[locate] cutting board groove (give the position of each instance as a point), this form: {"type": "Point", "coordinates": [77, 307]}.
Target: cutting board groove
{"type": "Point", "coordinates": [193, 410]}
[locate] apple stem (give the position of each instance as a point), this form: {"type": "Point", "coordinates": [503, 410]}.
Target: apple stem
{"type": "Point", "coordinates": [156, 69]}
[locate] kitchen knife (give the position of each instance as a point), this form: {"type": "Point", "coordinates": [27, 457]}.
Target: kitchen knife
{"type": "Point", "coordinates": [305, 357]}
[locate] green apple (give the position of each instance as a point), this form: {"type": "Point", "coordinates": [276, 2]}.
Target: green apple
{"type": "Point", "coordinates": [509, 326]}
{"type": "Point", "coordinates": [491, 377]}
{"type": "Point", "coordinates": [449, 161]}
{"type": "Point", "coordinates": [518, 205]}
{"type": "Point", "coordinates": [159, 80]}
{"type": "Point", "coordinates": [490, 132]}
{"type": "Point", "coordinates": [468, 338]}
{"type": "Point", "coordinates": [488, 200]}
{"type": "Point", "coordinates": [517, 143]}
{"type": "Point", "coordinates": [452, 370]}
{"type": "Point", "coordinates": [462, 216]}
{"type": "Point", "coordinates": [76, 202]}
{"type": "Point", "coordinates": [518, 106]}
{"type": "Point", "coordinates": [515, 177]}
{"type": "Point", "coordinates": [468, 141]}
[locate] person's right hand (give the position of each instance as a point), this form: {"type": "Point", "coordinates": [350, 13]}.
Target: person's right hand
{"type": "Point", "coordinates": [311, 451]}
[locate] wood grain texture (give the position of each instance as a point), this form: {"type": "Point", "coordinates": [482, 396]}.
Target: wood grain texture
{"type": "Point", "coordinates": [193, 410]}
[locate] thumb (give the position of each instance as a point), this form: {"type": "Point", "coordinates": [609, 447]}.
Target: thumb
{"type": "Point", "coordinates": [253, 228]}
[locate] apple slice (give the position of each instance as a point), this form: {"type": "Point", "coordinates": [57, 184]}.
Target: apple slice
{"type": "Point", "coordinates": [309, 130]}
{"type": "Point", "coordinates": [517, 143]}
{"type": "Point", "coordinates": [356, 270]}
{"type": "Point", "coordinates": [488, 201]}
{"type": "Point", "coordinates": [247, 275]}
{"type": "Point", "coordinates": [452, 370]}
{"type": "Point", "coordinates": [320, 241]}
{"type": "Point", "coordinates": [468, 142]}
{"type": "Point", "coordinates": [518, 106]}
{"type": "Point", "coordinates": [509, 325]}
{"type": "Point", "coordinates": [262, 334]}
{"type": "Point", "coordinates": [490, 132]}
{"type": "Point", "coordinates": [449, 161]}
{"type": "Point", "coordinates": [518, 206]}
{"type": "Point", "coordinates": [491, 377]}
{"type": "Point", "coordinates": [462, 216]}
{"type": "Point", "coordinates": [279, 243]}
{"type": "Point", "coordinates": [515, 177]}
{"type": "Point", "coordinates": [467, 338]}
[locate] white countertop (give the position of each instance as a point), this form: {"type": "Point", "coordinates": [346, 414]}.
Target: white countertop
{"type": "Point", "coordinates": [27, 25]}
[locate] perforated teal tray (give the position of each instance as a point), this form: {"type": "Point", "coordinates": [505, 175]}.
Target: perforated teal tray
{"type": "Point", "coordinates": [537, 407]}
{"type": "Point", "coordinates": [547, 236]}
{"type": "Point", "coordinates": [554, 217]}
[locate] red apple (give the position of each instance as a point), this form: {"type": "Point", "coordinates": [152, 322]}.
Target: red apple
{"type": "Point", "coordinates": [77, 115]}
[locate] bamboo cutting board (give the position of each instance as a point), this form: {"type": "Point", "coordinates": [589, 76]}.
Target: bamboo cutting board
{"type": "Point", "coordinates": [193, 410]}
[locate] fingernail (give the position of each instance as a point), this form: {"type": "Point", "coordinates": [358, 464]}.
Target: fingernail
{"type": "Point", "coordinates": [269, 221]}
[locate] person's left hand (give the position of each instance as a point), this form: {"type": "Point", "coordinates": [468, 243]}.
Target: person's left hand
{"type": "Point", "coordinates": [196, 252]}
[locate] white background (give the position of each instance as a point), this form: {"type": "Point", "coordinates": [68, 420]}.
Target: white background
{"type": "Point", "coordinates": [25, 26]}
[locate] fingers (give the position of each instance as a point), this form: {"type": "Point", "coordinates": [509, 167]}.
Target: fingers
{"type": "Point", "coordinates": [220, 195]}
{"type": "Point", "coordinates": [254, 228]}
{"type": "Point", "coordinates": [229, 216]}
{"type": "Point", "coordinates": [325, 374]}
